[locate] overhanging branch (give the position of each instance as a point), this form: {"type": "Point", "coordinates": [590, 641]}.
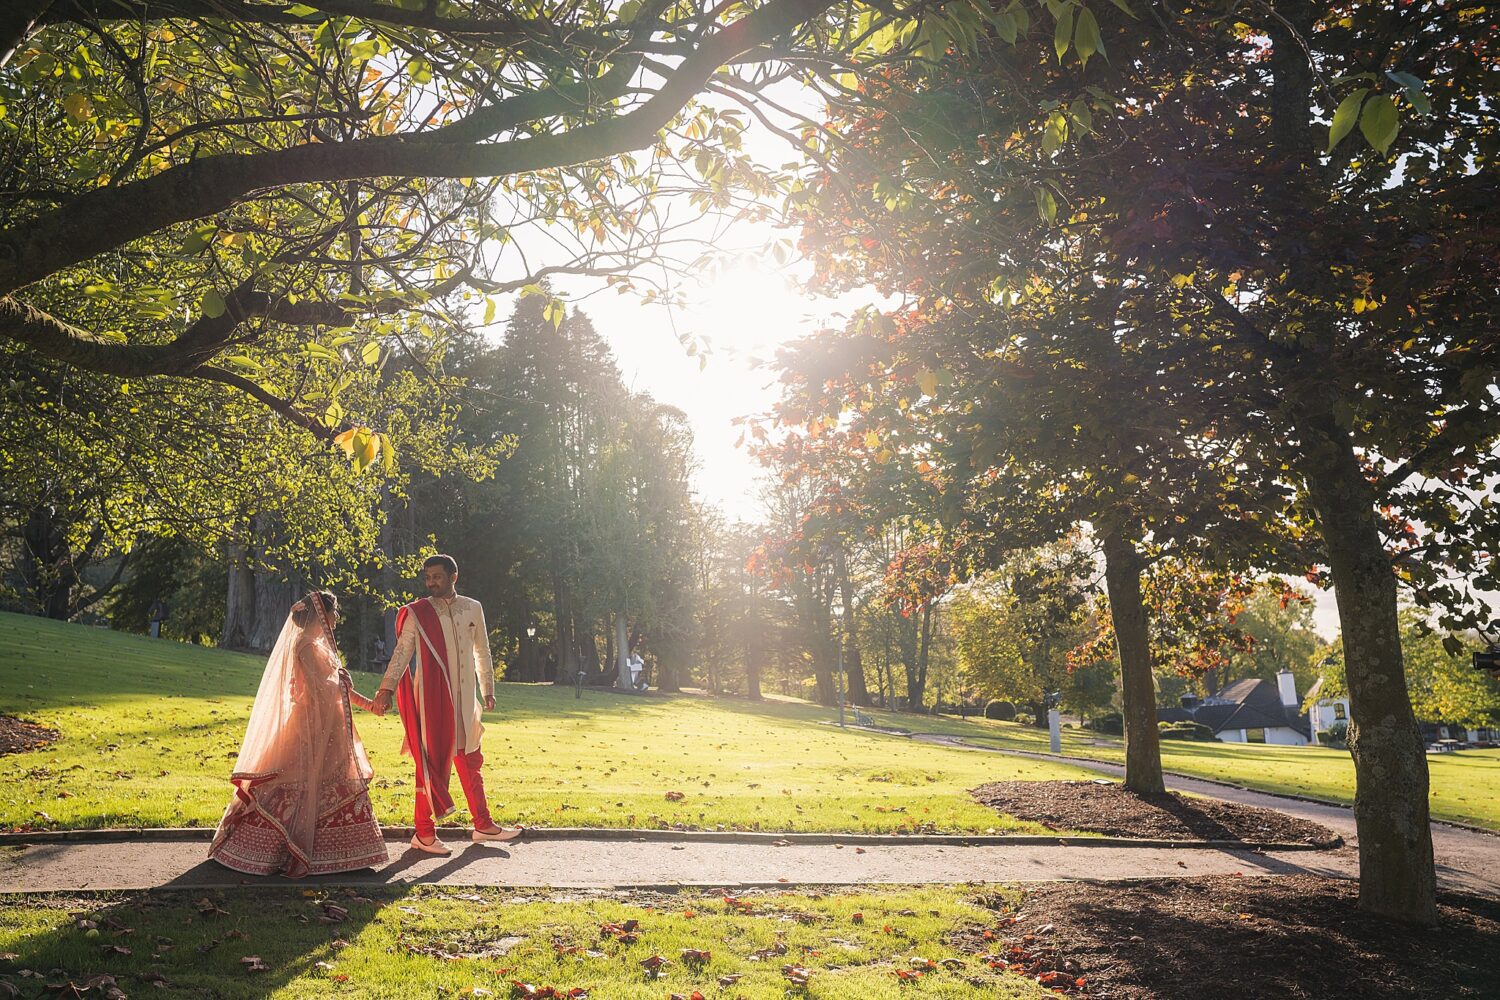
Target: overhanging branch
{"type": "Point", "coordinates": [210, 373]}
{"type": "Point", "coordinates": [74, 233]}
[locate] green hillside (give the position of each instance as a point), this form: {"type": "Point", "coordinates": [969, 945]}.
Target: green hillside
{"type": "Point", "coordinates": [150, 730]}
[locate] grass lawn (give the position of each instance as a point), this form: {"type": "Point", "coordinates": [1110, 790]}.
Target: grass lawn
{"type": "Point", "coordinates": [478, 943]}
{"type": "Point", "coordinates": [1465, 786]}
{"type": "Point", "coordinates": [150, 730]}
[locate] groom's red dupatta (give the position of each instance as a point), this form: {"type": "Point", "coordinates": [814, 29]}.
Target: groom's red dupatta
{"type": "Point", "coordinates": [429, 735]}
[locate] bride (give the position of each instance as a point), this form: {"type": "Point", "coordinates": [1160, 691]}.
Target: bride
{"type": "Point", "coordinates": [300, 804]}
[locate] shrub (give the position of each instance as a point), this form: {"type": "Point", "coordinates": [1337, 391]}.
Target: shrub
{"type": "Point", "coordinates": [1002, 710]}
{"type": "Point", "coordinates": [1185, 730]}
{"type": "Point", "coordinates": [1025, 719]}
{"type": "Point", "coordinates": [1112, 723]}
{"type": "Point", "coordinates": [1336, 735]}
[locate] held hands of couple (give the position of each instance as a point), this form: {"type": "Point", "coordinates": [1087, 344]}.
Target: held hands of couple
{"type": "Point", "coordinates": [382, 702]}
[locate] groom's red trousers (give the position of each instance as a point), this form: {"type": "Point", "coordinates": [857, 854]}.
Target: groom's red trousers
{"type": "Point", "coordinates": [467, 766]}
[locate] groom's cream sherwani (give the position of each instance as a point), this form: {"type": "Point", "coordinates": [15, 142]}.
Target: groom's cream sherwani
{"type": "Point", "coordinates": [465, 647]}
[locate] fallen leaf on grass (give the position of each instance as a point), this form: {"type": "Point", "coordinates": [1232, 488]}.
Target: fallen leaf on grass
{"type": "Point", "coordinates": [254, 963]}
{"type": "Point", "coordinates": [774, 951]}
{"type": "Point", "coordinates": [675, 796]}
{"type": "Point", "coordinates": [654, 966]}
{"type": "Point", "coordinates": [208, 908]}
{"type": "Point", "coordinates": [796, 975]}
{"type": "Point", "coordinates": [729, 979]}
{"type": "Point", "coordinates": [693, 956]}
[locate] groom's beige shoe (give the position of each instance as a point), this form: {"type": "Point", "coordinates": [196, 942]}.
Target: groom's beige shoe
{"type": "Point", "coordinates": [436, 847]}
{"type": "Point", "coordinates": [498, 833]}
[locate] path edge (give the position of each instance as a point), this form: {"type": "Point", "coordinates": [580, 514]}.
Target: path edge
{"type": "Point", "coordinates": [199, 833]}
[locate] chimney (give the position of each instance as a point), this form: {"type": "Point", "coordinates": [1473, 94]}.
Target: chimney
{"type": "Point", "coordinates": [1287, 685]}
{"type": "Point", "coordinates": [1189, 701]}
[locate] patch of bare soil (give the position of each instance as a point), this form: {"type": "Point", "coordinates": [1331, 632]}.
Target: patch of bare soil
{"type": "Point", "coordinates": [1109, 808]}
{"type": "Point", "coordinates": [1220, 936]}
{"type": "Point", "coordinates": [17, 736]}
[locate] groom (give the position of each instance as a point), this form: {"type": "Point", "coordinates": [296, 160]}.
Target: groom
{"type": "Point", "coordinates": [438, 696]}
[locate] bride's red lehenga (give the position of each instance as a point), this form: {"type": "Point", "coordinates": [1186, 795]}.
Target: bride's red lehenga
{"type": "Point", "coordinates": [300, 804]}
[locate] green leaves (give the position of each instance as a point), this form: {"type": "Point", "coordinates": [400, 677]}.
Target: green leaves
{"type": "Point", "coordinates": [1062, 36]}
{"type": "Point", "coordinates": [1378, 118]}
{"type": "Point", "coordinates": [1055, 134]}
{"type": "Point", "coordinates": [1380, 122]}
{"type": "Point", "coordinates": [1345, 117]}
{"type": "Point", "coordinates": [1046, 205]}
{"type": "Point", "coordinates": [212, 304]}
{"type": "Point", "coordinates": [1086, 39]}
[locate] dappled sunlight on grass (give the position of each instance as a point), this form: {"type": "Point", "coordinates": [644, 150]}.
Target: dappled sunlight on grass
{"type": "Point", "coordinates": [402, 943]}
{"type": "Point", "coordinates": [159, 753]}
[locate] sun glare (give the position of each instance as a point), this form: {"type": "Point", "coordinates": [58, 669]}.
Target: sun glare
{"type": "Point", "coordinates": [746, 308]}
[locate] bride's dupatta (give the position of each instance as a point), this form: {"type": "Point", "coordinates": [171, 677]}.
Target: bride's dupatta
{"type": "Point", "coordinates": [301, 759]}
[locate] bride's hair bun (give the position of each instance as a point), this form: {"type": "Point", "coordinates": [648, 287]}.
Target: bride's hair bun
{"type": "Point", "coordinates": [305, 611]}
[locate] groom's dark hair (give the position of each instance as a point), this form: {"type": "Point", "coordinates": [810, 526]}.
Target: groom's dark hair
{"type": "Point", "coordinates": [449, 564]}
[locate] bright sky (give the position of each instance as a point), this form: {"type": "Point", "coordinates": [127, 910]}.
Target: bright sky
{"type": "Point", "coordinates": [744, 312]}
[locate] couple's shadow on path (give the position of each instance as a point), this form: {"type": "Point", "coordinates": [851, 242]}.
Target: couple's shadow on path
{"type": "Point", "coordinates": [210, 874]}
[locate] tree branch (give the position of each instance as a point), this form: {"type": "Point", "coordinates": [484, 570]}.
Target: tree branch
{"type": "Point", "coordinates": [211, 373]}
{"type": "Point", "coordinates": [1440, 446]}
{"type": "Point", "coordinates": [53, 338]}
{"type": "Point", "coordinates": [17, 19]}
{"type": "Point", "coordinates": [78, 231]}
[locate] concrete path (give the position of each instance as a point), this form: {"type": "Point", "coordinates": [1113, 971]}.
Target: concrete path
{"type": "Point", "coordinates": [571, 863]}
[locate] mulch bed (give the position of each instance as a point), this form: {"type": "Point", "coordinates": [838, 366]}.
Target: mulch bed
{"type": "Point", "coordinates": [1222, 936]}
{"type": "Point", "coordinates": [17, 736]}
{"type": "Point", "coordinates": [1108, 808]}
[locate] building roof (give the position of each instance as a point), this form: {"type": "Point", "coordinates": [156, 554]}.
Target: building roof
{"type": "Point", "coordinates": [1248, 704]}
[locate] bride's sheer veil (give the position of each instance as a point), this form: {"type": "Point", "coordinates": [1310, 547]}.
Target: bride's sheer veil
{"type": "Point", "coordinates": [301, 757]}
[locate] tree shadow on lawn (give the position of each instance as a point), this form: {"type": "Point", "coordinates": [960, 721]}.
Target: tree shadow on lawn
{"type": "Point", "coordinates": [1295, 936]}
{"type": "Point", "coordinates": [195, 939]}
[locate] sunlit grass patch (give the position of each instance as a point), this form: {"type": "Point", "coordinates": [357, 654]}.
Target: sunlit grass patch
{"type": "Point", "coordinates": [150, 730]}
{"type": "Point", "coordinates": [421, 942]}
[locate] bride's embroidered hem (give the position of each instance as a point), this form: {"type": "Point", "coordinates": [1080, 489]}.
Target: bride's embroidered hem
{"type": "Point", "coordinates": [253, 838]}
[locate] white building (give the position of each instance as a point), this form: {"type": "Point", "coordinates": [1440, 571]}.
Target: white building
{"type": "Point", "coordinates": [1249, 711]}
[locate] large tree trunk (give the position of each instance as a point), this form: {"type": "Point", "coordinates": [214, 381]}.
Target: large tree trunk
{"type": "Point", "coordinates": [622, 654]}
{"type": "Point", "coordinates": [274, 597]}
{"type": "Point", "coordinates": [1122, 577]}
{"type": "Point", "coordinates": [47, 564]}
{"type": "Point", "coordinates": [239, 598]}
{"type": "Point", "coordinates": [562, 641]}
{"type": "Point", "coordinates": [1396, 875]}
{"type": "Point", "coordinates": [753, 668]}
{"type": "Point", "coordinates": [859, 692]}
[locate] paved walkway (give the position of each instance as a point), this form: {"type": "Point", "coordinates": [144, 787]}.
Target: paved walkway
{"type": "Point", "coordinates": [1466, 860]}
{"type": "Point", "coordinates": [611, 863]}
